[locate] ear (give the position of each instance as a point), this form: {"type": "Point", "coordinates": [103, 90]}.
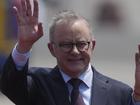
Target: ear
{"type": "Point", "coordinates": [93, 44]}
{"type": "Point", "coordinates": [51, 48]}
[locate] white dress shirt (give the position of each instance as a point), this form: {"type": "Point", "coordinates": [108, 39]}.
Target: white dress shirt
{"type": "Point", "coordinates": [84, 88]}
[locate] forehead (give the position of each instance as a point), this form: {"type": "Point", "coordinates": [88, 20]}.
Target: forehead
{"type": "Point", "coordinates": [78, 30]}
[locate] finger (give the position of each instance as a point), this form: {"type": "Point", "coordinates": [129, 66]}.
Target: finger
{"type": "Point", "coordinates": [16, 13]}
{"type": "Point", "coordinates": [29, 11]}
{"type": "Point", "coordinates": [23, 8]}
{"type": "Point", "coordinates": [40, 30]}
{"type": "Point", "coordinates": [137, 59]}
{"type": "Point", "coordinates": [16, 3]}
{"type": "Point", "coordinates": [39, 33]}
{"type": "Point", "coordinates": [137, 56]}
{"type": "Point", "coordinates": [36, 9]}
{"type": "Point", "coordinates": [139, 48]}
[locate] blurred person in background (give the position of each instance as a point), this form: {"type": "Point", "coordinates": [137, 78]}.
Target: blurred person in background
{"type": "Point", "coordinates": [7, 21]}
{"type": "Point", "coordinates": [72, 44]}
{"type": "Point", "coordinates": [109, 14]}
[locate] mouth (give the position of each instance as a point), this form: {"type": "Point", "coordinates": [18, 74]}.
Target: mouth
{"type": "Point", "coordinates": [75, 60]}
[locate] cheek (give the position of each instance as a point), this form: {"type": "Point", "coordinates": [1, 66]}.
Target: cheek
{"type": "Point", "coordinates": [87, 54]}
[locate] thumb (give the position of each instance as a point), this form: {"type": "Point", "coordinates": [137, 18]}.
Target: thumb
{"type": "Point", "coordinates": [40, 30]}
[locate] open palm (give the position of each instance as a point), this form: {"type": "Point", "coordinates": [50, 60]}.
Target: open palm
{"type": "Point", "coordinates": [137, 75]}
{"type": "Point", "coordinates": [29, 29]}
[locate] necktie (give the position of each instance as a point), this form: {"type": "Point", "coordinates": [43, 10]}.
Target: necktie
{"type": "Point", "coordinates": [76, 98]}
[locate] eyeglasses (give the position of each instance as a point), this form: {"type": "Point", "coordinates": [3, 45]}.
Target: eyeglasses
{"type": "Point", "coordinates": [68, 46]}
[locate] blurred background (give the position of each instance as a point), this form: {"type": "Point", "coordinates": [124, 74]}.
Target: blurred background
{"type": "Point", "coordinates": [115, 26]}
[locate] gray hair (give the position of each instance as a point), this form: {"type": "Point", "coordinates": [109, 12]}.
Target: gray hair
{"type": "Point", "coordinates": [66, 17]}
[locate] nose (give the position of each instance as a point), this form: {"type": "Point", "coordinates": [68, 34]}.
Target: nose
{"type": "Point", "coordinates": [75, 50]}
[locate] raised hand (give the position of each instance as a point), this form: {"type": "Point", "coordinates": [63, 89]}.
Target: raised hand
{"type": "Point", "coordinates": [137, 75]}
{"type": "Point", "coordinates": [29, 29]}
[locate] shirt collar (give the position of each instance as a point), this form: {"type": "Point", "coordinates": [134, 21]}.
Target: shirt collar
{"type": "Point", "coordinates": [86, 76]}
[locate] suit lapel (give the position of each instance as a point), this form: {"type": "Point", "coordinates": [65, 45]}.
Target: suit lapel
{"type": "Point", "coordinates": [99, 89]}
{"type": "Point", "coordinates": [60, 89]}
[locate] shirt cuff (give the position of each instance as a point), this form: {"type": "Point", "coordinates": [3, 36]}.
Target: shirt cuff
{"type": "Point", "coordinates": [20, 59]}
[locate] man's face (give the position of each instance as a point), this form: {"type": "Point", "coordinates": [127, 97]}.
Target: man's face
{"type": "Point", "coordinates": [72, 47]}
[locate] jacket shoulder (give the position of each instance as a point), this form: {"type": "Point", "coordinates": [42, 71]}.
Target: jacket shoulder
{"type": "Point", "coordinates": [112, 82]}
{"type": "Point", "coordinates": [39, 70]}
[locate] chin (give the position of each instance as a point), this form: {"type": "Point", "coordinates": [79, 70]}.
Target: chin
{"type": "Point", "coordinates": [77, 69]}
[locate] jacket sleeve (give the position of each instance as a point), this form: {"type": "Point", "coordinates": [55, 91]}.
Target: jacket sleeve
{"type": "Point", "coordinates": [14, 82]}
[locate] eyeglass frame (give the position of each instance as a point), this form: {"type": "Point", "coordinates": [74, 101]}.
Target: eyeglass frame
{"type": "Point", "coordinates": [68, 46]}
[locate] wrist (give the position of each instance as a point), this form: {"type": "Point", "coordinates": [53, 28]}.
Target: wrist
{"type": "Point", "coordinates": [23, 48]}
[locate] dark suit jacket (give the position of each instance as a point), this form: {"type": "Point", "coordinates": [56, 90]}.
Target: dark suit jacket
{"type": "Point", "coordinates": [43, 86]}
